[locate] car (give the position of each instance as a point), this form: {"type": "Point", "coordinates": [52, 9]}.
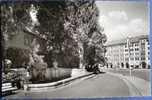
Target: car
{"type": "Point", "coordinates": [93, 68]}
{"type": "Point", "coordinates": [8, 85]}
{"type": "Point", "coordinates": [101, 68]}
{"type": "Point", "coordinates": [96, 69]}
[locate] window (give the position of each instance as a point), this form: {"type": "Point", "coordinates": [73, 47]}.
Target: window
{"type": "Point", "coordinates": [136, 49]}
{"type": "Point", "coordinates": [143, 58]}
{"type": "Point", "coordinates": [143, 49]}
{"type": "Point", "coordinates": [27, 40]}
{"type": "Point", "coordinates": [136, 58]}
{"type": "Point", "coordinates": [131, 53]}
{"type": "Point", "coordinates": [142, 53]}
{"type": "Point", "coordinates": [126, 50]}
{"type": "Point", "coordinates": [131, 58]}
{"type": "Point", "coordinates": [131, 49]}
{"type": "Point", "coordinates": [136, 44]}
{"type": "Point", "coordinates": [147, 41]}
{"type": "Point", "coordinates": [143, 43]}
{"type": "Point", "coordinates": [125, 45]}
{"type": "Point", "coordinates": [136, 53]}
{"type": "Point", "coordinates": [131, 45]}
{"type": "Point", "coordinates": [126, 59]}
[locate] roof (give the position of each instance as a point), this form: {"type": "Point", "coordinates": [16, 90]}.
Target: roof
{"type": "Point", "coordinates": [124, 41]}
{"type": "Point", "coordinates": [116, 42]}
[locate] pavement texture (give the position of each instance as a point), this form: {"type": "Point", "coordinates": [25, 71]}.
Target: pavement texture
{"type": "Point", "coordinates": [137, 86]}
{"type": "Point", "coordinates": [102, 85]}
{"type": "Point", "coordinates": [140, 73]}
{"type": "Point", "coordinates": [87, 85]}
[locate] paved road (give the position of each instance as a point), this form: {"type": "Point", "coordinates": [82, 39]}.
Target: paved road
{"type": "Point", "coordinates": [140, 73]}
{"type": "Point", "coordinates": [102, 85]}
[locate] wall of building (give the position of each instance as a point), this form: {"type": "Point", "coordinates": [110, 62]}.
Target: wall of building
{"type": "Point", "coordinates": [20, 40]}
{"type": "Point", "coordinates": [133, 52]}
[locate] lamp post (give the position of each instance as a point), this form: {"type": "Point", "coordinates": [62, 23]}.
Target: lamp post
{"type": "Point", "coordinates": [128, 44]}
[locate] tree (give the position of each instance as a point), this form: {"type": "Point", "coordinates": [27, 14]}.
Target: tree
{"type": "Point", "coordinates": [14, 16]}
{"type": "Point", "coordinates": [81, 21]}
{"type": "Point", "coordinates": [65, 29]}
{"type": "Point", "coordinates": [71, 25]}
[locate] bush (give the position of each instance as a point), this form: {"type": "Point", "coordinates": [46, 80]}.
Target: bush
{"type": "Point", "coordinates": [50, 74]}
{"type": "Point", "coordinates": [18, 56]}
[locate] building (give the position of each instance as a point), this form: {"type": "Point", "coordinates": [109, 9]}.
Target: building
{"type": "Point", "coordinates": [19, 46]}
{"type": "Point", "coordinates": [130, 52]}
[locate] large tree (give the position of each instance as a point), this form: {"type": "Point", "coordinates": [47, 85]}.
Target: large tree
{"type": "Point", "coordinates": [81, 22]}
{"type": "Point", "coordinates": [67, 30]}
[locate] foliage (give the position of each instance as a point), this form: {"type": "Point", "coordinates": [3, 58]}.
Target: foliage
{"type": "Point", "coordinates": [49, 74]}
{"type": "Point", "coordinates": [14, 16]}
{"type": "Point", "coordinates": [81, 22]}
{"type": "Point", "coordinates": [69, 29]}
{"type": "Point", "coordinates": [18, 56]}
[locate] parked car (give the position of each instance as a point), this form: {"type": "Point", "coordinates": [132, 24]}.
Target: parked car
{"type": "Point", "coordinates": [101, 68]}
{"type": "Point", "coordinates": [96, 68]}
{"type": "Point", "coordinates": [8, 85]}
{"type": "Point", "coordinates": [93, 68]}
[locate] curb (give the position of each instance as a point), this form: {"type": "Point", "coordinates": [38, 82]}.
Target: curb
{"type": "Point", "coordinates": [134, 90]}
{"type": "Point", "coordinates": [29, 87]}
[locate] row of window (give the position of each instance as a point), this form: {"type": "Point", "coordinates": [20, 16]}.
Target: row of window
{"type": "Point", "coordinates": [136, 49]}
{"type": "Point", "coordinates": [136, 58]}
{"type": "Point", "coordinates": [131, 49]}
{"type": "Point", "coordinates": [137, 44]}
{"type": "Point", "coordinates": [132, 44]}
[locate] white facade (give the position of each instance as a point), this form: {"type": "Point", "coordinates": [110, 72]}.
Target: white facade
{"type": "Point", "coordinates": [131, 52]}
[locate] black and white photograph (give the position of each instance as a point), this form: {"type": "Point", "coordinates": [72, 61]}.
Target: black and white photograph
{"type": "Point", "coordinates": [75, 49]}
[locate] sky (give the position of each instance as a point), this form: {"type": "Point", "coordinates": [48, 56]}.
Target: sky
{"type": "Point", "coordinates": [121, 19]}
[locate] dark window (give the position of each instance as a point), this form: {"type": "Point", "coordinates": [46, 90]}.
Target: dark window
{"type": "Point", "coordinates": [125, 45]}
{"type": "Point", "coordinates": [148, 42]}
{"type": "Point", "coordinates": [142, 58]}
{"type": "Point", "coordinates": [131, 49]}
{"type": "Point", "coordinates": [136, 49]}
{"type": "Point", "coordinates": [143, 43]}
{"type": "Point", "coordinates": [126, 50]}
{"type": "Point", "coordinates": [143, 53]}
{"type": "Point", "coordinates": [136, 44]}
{"type": "Point", "coordinates": [136, 58]}
{"type": "Point", "coordinates": [27, 40]}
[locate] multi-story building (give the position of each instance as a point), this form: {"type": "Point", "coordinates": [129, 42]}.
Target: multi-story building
{"type": "Point", "coordinates": [130, 52]}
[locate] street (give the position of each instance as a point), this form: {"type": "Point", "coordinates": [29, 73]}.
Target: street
{"type": "Point", "coordinates": [140, 73]}
{"type": "Point", "coordinates": [102, 85]}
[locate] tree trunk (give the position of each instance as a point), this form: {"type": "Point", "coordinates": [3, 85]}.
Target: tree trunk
{"type": "Point", "coordinates": [81, 53]}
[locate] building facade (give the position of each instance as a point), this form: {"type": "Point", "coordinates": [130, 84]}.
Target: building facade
{"type": "Point", "coordinates": [131, 52]}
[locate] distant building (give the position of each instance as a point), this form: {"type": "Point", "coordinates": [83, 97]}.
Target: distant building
{"type": "Point", "coordinates": [21, 43]}
{"type": "Point", "coordinates": [22, 40]}
{"type": "Point", "coordinates": [130, 52]}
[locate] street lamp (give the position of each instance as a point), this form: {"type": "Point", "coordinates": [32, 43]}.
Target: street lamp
{"type": "Point", "coordinates": [128, 44]}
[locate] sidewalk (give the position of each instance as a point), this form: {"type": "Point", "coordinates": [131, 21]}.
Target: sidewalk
{"type": "Point", "coordinates": [76, 74]}
{"type": "Point", "coordinates": [143, 86]}
{"type": "Point", "coordinates": [137, 86]}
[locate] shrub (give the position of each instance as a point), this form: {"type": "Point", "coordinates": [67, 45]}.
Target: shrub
{"type": "Point", "coordinates": [18, 56]}
{"type": "Point", "coordinates": [50, 74]}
